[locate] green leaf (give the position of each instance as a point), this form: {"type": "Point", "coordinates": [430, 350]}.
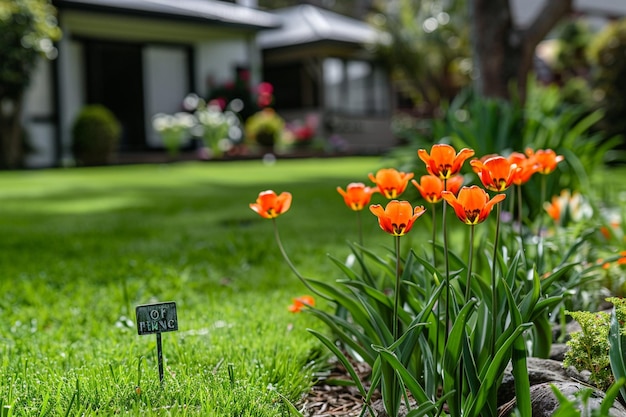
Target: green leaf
{"type": "Point", "coordinates": [474, 403]}
{"type": "Point", "coordinates": [409, 380]}
{"type": "Point", "coordinates": [610, 396]}
{"type": "Point", "coordinates": [616, 351]}
{"type": "Point", "coordinates": [337, 325]}
{"type": "Point", "coordinates": [452, 353]}
{"type": "Point", "coordinates": [342, 358]}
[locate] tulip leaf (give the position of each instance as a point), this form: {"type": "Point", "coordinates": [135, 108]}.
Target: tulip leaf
{"type": "Point", "coordinates": [407, 378]}
{"type": "Point", "coordinates": [350, 340]}
{"type": "Point", "coordinates": [617, 352]}
{"type": "Point", "coordinates": [355, 308]}
{"type": "Point", "coordinates": [475, 403]}
{"type": "Point", "coordinates": [610, 395]}
{"type": "Point", "coordinates": [342, 358]}
{"type": "Point", "coordinates": [518, 357]}
{"type": "Point", "coordinates": [452, 353]}
{"type": "Point", "coordinates": [549, 280]}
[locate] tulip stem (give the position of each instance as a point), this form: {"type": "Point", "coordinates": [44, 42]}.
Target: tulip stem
{"type": "Point", "coordinates": [286, 257]}
{"type": "Point", "coordinates": [468, 283]}
{"type": "Point", "coordinates": [447, 284]}
{"type": "Point", "coordinates": [433, 209]}
{"type": "Point", "coordinates": [494, 283]}
{"type": "Point", "coordinates": [360, 227]}
{"type": "Point", "coordinates": [396, 302]}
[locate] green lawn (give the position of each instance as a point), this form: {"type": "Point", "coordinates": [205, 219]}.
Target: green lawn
{"type": "Point", "coordinates": [80, 248]}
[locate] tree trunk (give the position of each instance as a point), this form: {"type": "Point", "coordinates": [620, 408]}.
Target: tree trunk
{"type": "Point", "coordinates": [11, 146]}
{"type": "Point", "coordinates": [503, 54]}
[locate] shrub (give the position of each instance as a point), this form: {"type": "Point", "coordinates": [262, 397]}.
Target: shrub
{"type": "Point", "coordinates": [95, 135]}
{"type": "Point", "coordinates": [607, 54]}
{"type": "Point", "coordinates": [265, 128]}
{"type": "Point", "coordinates": [589, 348]}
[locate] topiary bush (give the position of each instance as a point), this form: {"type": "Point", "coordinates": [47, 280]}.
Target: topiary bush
{"type": "Point", "coordinates": [95, 135]}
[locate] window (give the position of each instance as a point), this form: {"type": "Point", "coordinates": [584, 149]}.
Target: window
{"type": "Point", "coordinates": [355, 87]}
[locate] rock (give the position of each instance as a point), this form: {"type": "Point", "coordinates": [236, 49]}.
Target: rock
{"type": "Point", "coordinates": [539, 371]}
{"type": "Point", "coordinates": [558, 350]}
{"type": "Point", "coordinates": [545, 403]}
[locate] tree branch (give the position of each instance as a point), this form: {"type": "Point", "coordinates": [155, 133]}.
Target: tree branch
{"type": "Point", "coordinates": [550, 14]}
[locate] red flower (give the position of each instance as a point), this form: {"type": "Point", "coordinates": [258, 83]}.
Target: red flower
{"type": "Point", "coordinates": [300, 302]}
{"type": "Point", "coordinates": [443, 161]}
{"type": "Point", "coordinates": [391, 182]}
{"type": "Point", "coordinates": [398, 217]}
{"type": "Point", "coordinates": [472, 206]}
{"type": "Point", "coordinates": [527, 167]}
{"type": "Point", "coordinates": [547, 159]}
{"type": "Point", "coordinates": [269, 205]}
{"type": "Point", "coordinates": [357, 195]}
{"type": "Point", "coordinates": [496, 173]}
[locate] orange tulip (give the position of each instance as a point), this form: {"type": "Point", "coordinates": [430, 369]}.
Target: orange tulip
{"type": "Point", "coordinates": [472, 206]}
{"type": "Point", "coordinates": [443, 161]}
{"type": "Point", "coordinates": [430, 187]}
{"type": "Point", "coordinates": [357, 195]}
{"type": "Point", "coordinates": [554, 208]}
{"type": "Point", "coordinates": [527, 167]}
{"type": "Point", "coordinates": [269, 205]}
{"type": "Point", "coordinates": [454, 184]}
{"type": "Point", "coordinates": [300, 302]}
{"type": "Point", "coordinates": [496, 173]}
{"type": "Point", "coordinates": [391, 182]}
{"type": "Point", "coordinates": [547, 159]}
{"type": "Point", "coordinates": [398, 217]}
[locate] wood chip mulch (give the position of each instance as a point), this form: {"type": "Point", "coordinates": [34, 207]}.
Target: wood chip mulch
{"type": "Point", "coordinates": [335, 393]}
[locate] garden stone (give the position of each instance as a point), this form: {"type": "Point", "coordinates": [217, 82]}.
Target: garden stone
{"type": "Point", "coordinates": [539, 371]}
{"type": "Point", "coordinates": [558, 350]}
{"type": "Point", "coordinates": [545, 403]}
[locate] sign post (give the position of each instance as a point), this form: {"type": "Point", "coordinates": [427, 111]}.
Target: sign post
{"type": "Point", "coordinates": [156, 319]}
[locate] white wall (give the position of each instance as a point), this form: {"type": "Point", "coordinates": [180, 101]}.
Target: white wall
{"type": "Point", "coordinates": [216, 61]}
{"type": "Point", "coordinates": [165, 84]}
{"type": "Point", "coordinates": [38, 116]}
{"type": "Point", "coordinates": [524, 11]}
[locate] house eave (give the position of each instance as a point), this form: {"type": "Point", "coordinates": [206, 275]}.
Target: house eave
{"type": "Point", "coordinates": [254, 20]}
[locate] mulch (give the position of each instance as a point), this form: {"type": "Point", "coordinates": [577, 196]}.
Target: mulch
{"type": "Point", "coordinates": [335, 393]}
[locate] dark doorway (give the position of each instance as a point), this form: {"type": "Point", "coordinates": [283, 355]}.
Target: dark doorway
{"type": "Point", "coordinates": [115, 80]}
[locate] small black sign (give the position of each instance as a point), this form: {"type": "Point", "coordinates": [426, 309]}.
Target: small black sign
{"type": "Point", "coordinates": [156, 318]}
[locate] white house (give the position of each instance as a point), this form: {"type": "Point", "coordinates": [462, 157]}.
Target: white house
{"type": "Point", "coordinates": [142, 57]}
{"type": "Point", "coordinates": [137, 57]}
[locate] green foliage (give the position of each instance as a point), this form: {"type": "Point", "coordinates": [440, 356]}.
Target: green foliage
{"type": "Point", "coordinates": [95, 135]}
{"type": "Point", "coordinates": [494, 126]}
{"type": "Point", "coordinates": [428, 50]}
{"type": "Point", "coordinates": [28, 29]}
{"type": "Point", "coordinates": [579, 405]}
{"type": "Point", "coordinates": [589, 348]}
{"type": "Point", "coordinates": [607, 53]}
{"type": "Point", "coordinates": [617, 340]}
{"type": "Point", "coordinates": [265, 128]}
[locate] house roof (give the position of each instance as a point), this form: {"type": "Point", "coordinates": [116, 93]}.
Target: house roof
{"type": "Point", "coordinates": [309, 24]}
{"type": "Point", "coordinates": [216, 12]}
